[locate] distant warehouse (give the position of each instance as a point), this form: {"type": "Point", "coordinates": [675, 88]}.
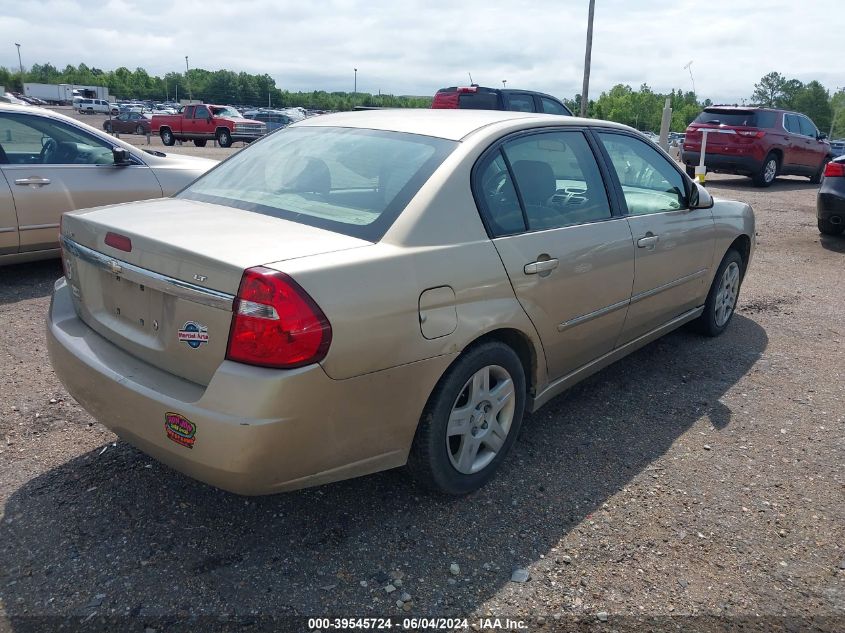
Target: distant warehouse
{"type": "Point", "coordinates": [63, 94]}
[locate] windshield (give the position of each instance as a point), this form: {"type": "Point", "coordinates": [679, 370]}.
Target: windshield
{"type": "Point", "coordinates": [747, 118]}
{"type": "Point", "coordinates": [351, 181]}
{"type": "Point", "coordinates": [225, 111]}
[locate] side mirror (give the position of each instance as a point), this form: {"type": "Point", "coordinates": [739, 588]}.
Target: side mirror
{"type": "Point", "coordinates": [122, 157]}
{"type": "Point", "coordinates": [699, 197]}
{"type": "Point", "coordinates": [822, 136]}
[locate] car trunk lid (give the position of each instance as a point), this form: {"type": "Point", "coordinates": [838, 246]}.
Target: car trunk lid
{"type": "Point", "coordinates": [158, 279]}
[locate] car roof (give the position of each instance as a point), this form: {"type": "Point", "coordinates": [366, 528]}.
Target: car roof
{"type": "Point", "coordinates": [453, 125]}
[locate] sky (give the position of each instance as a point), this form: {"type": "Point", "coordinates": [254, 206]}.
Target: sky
{"type": "Point", "coordinates": [410, 47]}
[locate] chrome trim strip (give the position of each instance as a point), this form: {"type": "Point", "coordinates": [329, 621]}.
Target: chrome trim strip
{"type": "Point", "coordinates": [593, 315]}
{"type": "Point", "coordinates": [33, 227]}
{"type": "Point", "coordinates": [150, 279]}
{"type": "Point", "coordinates": [11, 229]}
{"type": "Point", "coordinates": [669, 286]}
{"type": "Point", "coordinates": [565, 382]}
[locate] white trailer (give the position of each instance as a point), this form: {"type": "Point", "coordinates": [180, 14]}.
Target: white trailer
{"type": "Point", "coordinates": [64, 93]}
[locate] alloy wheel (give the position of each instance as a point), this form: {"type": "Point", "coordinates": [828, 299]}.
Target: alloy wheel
{"type": "Point", "coordinates": [728, 292]}
{"type": "Point", "coordinates": [480, 419]}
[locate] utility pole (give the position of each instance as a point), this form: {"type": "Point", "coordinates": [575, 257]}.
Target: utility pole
{"type": "Point", "coordinates": [585, 89]}
{"type": "Point", "coordinates": [190, 92]}
{"type": "Point", "coordinates": [355, 85]}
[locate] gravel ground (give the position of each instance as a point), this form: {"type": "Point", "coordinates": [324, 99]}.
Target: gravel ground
{"type": "Point", "coordinates": [698, 478]}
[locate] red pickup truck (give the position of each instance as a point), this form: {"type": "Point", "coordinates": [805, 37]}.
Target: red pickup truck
{"type": "Point", "coordinates": [205, 122]}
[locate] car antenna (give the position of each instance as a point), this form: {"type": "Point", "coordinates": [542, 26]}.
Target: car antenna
{"type": "Point", "coordinates": [470, 78]}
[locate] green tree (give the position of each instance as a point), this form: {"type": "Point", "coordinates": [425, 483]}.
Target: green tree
{"type": "Point", "coordinates": [769, 90]}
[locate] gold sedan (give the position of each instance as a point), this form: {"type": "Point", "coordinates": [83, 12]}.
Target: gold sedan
{"type": "Point", "coordinates": [371, 290]}
{"type": "Point", "coordinates": [51, 163]}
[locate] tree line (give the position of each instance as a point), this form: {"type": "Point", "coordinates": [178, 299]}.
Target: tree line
{"type": "Point", "coordinates": [640, 108]}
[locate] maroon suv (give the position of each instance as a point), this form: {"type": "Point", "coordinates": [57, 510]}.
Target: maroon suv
{"type": "Point", "coordinates": [759, 142]}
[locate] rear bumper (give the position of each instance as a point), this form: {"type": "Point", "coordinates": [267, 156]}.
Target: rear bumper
{"type": "Point", "coordinates": [830, 202]}
{"type": "Point", "coordinates": [256, 431]}
{"type": "Point", "coordinates": [746, 165]}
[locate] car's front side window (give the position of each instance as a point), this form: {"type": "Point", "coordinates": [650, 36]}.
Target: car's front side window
{"type": "Point", "coordinates": [39, 140]}
{"type": "Point", "coordinates": [649, 182]}
{"type": "Point", "coordinates": [807, 127]}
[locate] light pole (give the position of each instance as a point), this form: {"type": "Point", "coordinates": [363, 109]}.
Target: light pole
{"type": "Point", "coordinates": [190, 92]}
{"type": "Point", "coordinates": [689, 68]}
{"type": "Point", "coordinates": [585, 89]}
{"type": "Point", "coordinates": [20, 63]}
{"type": "Point", "coordinates": [355, 85]}
{"type": "Point", "coordinates": [504, 83]}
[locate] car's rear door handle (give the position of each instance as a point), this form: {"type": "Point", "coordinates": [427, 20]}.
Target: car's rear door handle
{"type": "Point", "coordinates": [648, 241]}
{"type": "Point", "coordinates": [540, 266]}
{"type": "Point", "coordinates": [35, 180]}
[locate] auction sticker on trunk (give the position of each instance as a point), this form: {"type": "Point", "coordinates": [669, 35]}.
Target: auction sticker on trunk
{"type": "Point", "coordinates": [193, 334]}
{"type": "Point", "coordinates": [180, 429]}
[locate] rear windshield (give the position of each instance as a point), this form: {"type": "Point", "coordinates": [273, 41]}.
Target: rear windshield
{"type": "Point", "coordinates": [479, 100]}
{"type": "Point", "coordinates": [746, 118]}
{"type": "Point", "coordinates": [350, 181]}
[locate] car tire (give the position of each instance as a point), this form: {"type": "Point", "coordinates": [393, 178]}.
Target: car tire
{"type": "Point", "coordinates": [200, 142]}
{"type": "Point", "coordinates": [723, 296]}
{"type": "Point", "coordinates": [167, 137]}
{"type": "Point", "coordinates": [470, 422]}
{"type": "Point", "coordinates": [224, 138]}
{"type": "Point", "coordinates": [140, 130]}
{"type": "Point", "coordinates": [816, 178]}
{"type": "Point", "coordinates": [690, 169]}
{"type": "Point", "coordinates": [768, 171]}
{"type": "Point", "coordinates": [826, 227]}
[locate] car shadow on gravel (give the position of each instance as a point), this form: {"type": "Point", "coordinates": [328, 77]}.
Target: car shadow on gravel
{"type": "Point", "coordinates": [28, 281]}
{"type": "Point", "coordinates": [114, 533]}
{"type": "Point", "coordinates": [835, 243]}
{"type": "Point", "coordinates": [780, 184]}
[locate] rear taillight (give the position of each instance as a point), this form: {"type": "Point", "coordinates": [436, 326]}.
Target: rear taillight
{"type": "Point", "coordinates": [751, 133]}
{"type": "Point", "coordinates": [445, 100]}
{"type": "Point", "coordinates": [833, 170]}
{"type": "Point", "coordinates": [275, 323]}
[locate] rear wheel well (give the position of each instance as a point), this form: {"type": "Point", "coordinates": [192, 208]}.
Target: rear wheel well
{"type": "Point", "coordinates": [779, 154]}
{"type": "Point", "coordinates": [520, 344]}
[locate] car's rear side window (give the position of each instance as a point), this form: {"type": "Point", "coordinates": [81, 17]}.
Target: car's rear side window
{"type": "Point", "coordinates": [549, 180]}
{"type": "Point", "coordinates": [352, 181]}
{"type": "Point", "coordinates": [521, 103]}
{"type": "Point", "coordinates": [552, 107]}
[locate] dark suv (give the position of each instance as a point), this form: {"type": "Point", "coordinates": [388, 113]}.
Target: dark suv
{"type": "Point", "coordinates": [759, 142]}
{"type": "Point", "coordinates": [480, 98]}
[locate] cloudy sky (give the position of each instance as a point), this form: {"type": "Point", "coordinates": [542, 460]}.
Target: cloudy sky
{"type": "Point", "coordinates": [416, 47]}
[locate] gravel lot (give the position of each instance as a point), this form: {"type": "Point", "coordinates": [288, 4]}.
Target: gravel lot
{"type": "Point", "coordinates": [698, 477]}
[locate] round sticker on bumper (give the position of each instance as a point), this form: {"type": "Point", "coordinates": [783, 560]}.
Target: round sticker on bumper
{"type": "Point", "coordinates": [194, 334]}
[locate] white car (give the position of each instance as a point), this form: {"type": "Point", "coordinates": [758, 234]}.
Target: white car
{"type": "Point", "coordinates": [91, 106]}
